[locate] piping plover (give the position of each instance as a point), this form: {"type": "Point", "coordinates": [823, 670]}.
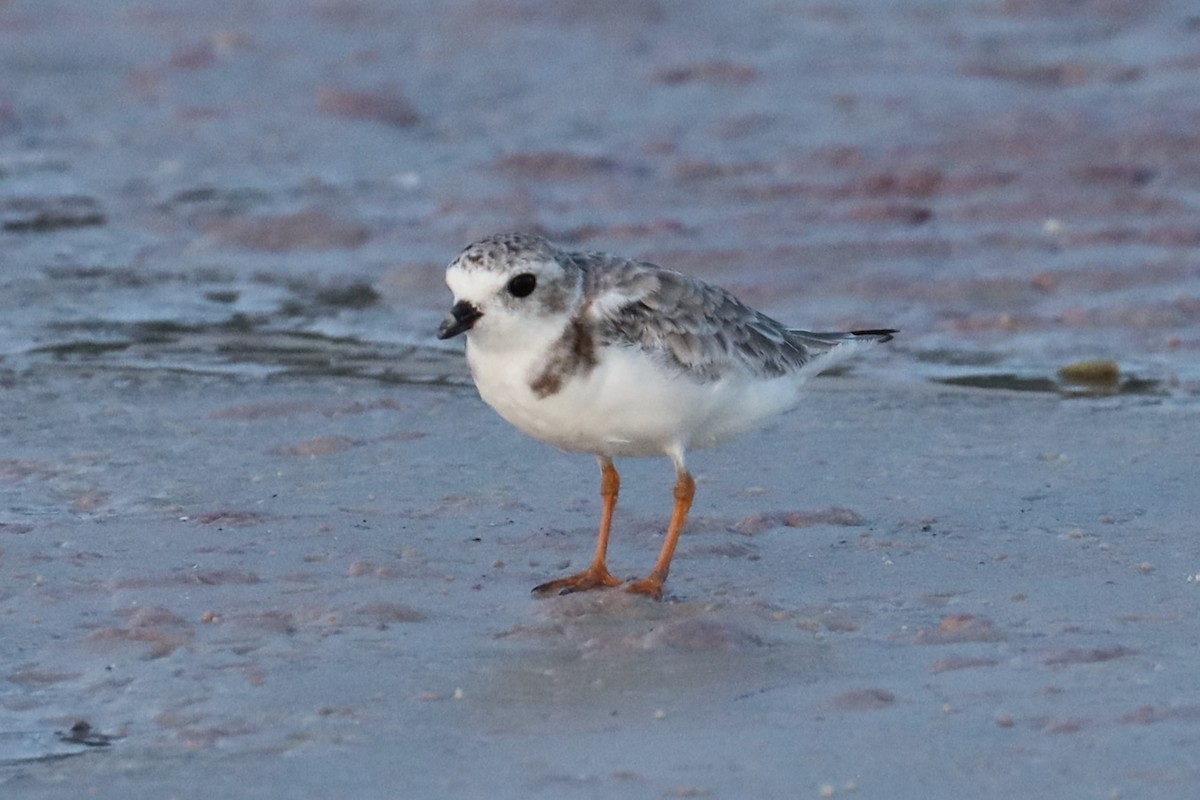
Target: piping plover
{"type": "Point", "coordinates": [599, 354]}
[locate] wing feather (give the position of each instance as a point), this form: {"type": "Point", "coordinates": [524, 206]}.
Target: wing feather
{"type": "Point", "coordinates": [701, 330]}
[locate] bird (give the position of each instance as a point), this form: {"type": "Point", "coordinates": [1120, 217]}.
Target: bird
{"type": "Point", "coordinates": [595, 353]}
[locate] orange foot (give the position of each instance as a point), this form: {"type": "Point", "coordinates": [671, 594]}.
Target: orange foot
{"type": "Point", "coordinates": [594, 577]}
{"type": "Point", "coordinates": [652, 587]}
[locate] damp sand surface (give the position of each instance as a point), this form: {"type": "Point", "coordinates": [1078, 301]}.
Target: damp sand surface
{"type": "Point", "coordinates": [262, 588]}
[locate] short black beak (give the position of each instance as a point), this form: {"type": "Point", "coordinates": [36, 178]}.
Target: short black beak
{"type": "Point", "coordinates": [462, 318]}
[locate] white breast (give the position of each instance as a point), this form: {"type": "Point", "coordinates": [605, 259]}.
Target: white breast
{"type": "Point", "coordinates": [628, 405]}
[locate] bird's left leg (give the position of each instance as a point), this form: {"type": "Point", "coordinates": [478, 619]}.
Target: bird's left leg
{"type": "Point", "coordinates": [597, 575]}
{"type": "Point", "coordinates": [685, 491]}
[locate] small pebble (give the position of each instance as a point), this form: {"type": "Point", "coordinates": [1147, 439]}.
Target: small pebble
{"type": "Point", "coordinates": [1095, 373]}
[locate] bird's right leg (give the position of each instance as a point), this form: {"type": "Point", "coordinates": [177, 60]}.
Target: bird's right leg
{"type": "Point", "coordinates": [597, 575]}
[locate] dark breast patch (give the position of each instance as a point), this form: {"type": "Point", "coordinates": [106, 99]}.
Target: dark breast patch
{"type": "Point", "coordinates": [574, 354]}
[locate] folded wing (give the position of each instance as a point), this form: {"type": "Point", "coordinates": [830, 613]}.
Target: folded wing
{"type": "Point", "coordinates": [701, 330]}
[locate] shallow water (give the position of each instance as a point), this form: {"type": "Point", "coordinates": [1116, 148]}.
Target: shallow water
{"type": "Point", "coordinates": [1014, 184]}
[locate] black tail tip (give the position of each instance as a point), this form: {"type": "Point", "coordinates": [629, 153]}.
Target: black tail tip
{"type": "Point", "coordinates": [880, 335]}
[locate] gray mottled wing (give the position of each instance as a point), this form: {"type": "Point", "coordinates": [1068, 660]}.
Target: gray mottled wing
{"type": "Point", "coordinates": [701, 330]}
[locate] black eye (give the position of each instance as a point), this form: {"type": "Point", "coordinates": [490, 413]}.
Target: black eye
{"type": "Point", "coordinates": [522, 285]}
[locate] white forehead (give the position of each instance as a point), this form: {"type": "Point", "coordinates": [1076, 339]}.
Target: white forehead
{"type": "Point", "coordinates": [474, 284]}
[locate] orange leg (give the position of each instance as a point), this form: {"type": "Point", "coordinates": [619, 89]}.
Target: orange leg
{"type": "Point", "coordinates": [685, 491]}
{"type": "Point", "coordinates": [596, 576]}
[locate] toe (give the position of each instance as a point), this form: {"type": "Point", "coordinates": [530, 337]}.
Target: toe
{"type": "Point", "coordinates": [591, 578]}
{"type": "Point", "coordinates": [651, 587]}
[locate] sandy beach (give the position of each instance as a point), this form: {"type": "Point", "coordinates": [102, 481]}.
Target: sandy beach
{"type": "Point", "coordinates": [260, 538]}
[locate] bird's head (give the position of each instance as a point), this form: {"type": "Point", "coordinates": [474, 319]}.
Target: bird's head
{"type": "Point", "coordinates": [508, 288]}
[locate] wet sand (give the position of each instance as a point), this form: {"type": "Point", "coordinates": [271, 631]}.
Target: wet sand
{"type": "Point", "coordinates": [260, 538]}
{"type": "Point", "coordinates": [305, 586]}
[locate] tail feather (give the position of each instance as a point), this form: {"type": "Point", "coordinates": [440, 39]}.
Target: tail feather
{"type": "Point", "coordinates": [826, 349]}
{"type": "Point", "coordinates": [878, 335]}
{"type": "Point", "coordinates": [822, 341]}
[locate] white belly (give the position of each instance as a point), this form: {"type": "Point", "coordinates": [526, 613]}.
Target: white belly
{"type": "Point", "coordinates": [629, 405]}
